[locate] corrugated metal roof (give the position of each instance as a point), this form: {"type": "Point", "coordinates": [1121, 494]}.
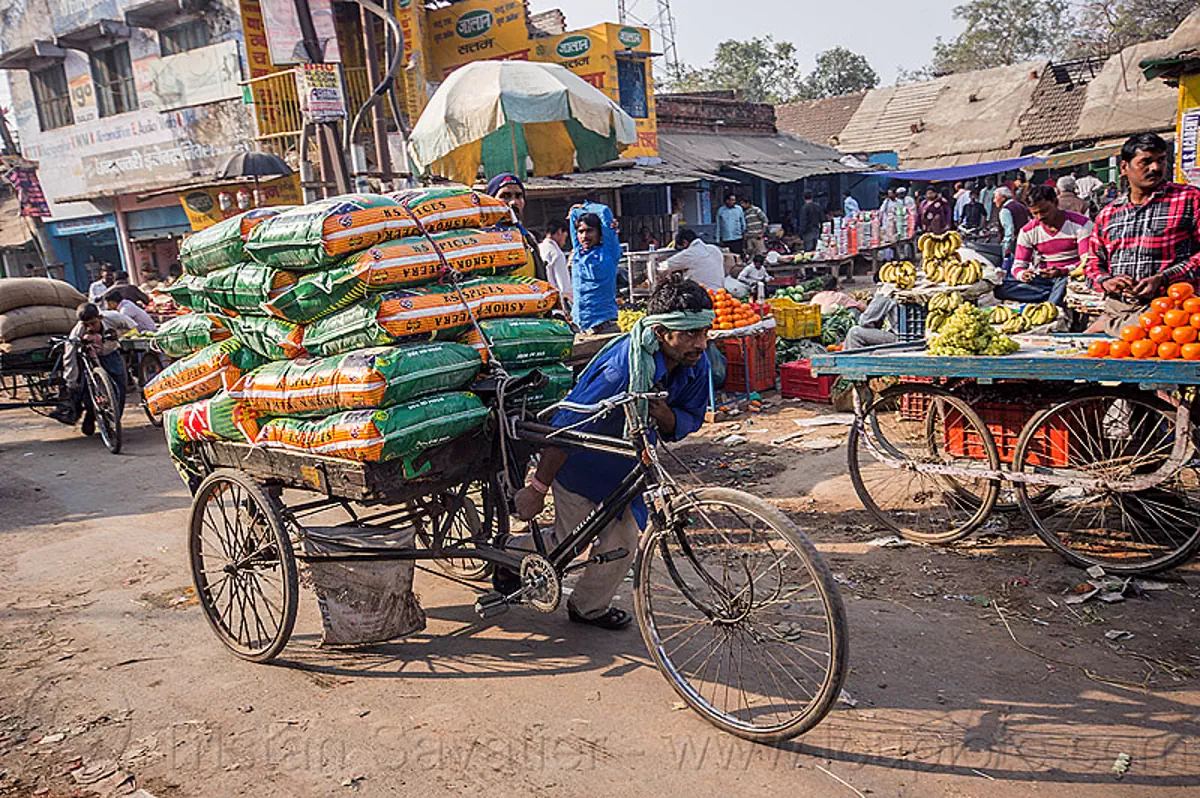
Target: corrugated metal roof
{"type": "Point", "coordinates": [780, 155]}
{"type": "Point", "coordinates": [821, 120]}
{"type": "Point", "coordinates": [660, 174]}
{"type": "Point", "coordinates": [1121, 101]}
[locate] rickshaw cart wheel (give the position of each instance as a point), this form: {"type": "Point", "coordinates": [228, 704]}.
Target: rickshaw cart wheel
{"type": "Point", "coordinates": [243, 566]}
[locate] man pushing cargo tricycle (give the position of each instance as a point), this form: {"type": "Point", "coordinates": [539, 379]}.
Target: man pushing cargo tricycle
{"type": "Point", "coordinates": [736, 607]}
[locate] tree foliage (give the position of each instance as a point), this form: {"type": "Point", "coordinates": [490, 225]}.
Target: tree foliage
{"type": "Point", "coordinates": [767, 71]}
{"type": "Point", "coordinates": [839, 71]}
{"type": "Point", "coordinates": [1105, 27]}
{"type": "Point", "coordinates": [764, 70]}
{"type": "Point", "coordinates": [1002, 32]}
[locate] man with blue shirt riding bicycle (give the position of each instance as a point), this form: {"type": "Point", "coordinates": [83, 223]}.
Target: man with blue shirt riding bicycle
{"type": "Point", "coordinates": [664, 352]}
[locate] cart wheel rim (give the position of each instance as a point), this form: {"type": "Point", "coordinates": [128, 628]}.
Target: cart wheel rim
{"type": "Point", "coordinates": [243, 567]}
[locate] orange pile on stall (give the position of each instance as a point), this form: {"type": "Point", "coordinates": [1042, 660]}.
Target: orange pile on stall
{"type": "Point", "coordinates": [731, 314]}
{"type": "Point", "coordinates": [1170, 330]}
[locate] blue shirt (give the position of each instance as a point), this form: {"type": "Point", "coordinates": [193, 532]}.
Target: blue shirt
{"type": "Point", "coordinates": [594, 271]}
{"type": "Point", "coordinates": [731, 223]}
{"type": "Point", "coordinates": [595, 475]}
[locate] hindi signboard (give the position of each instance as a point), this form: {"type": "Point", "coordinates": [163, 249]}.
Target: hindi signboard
{"type": "Point", "coordinates": [319, 88]}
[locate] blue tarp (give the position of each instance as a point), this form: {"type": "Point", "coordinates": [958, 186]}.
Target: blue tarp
{"type": "Point", "coordinates": [960, 172]}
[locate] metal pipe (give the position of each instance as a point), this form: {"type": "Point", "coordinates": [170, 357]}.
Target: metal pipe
{"type": "Point", "coordinates": [393, 67]}
{"type": "Point", "coordinates": [378, 124]}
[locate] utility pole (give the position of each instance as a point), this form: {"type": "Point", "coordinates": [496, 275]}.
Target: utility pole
{"type": "Point", "coordinates": [383, 155]}
{"type": "Point", "coordinates": [333, 159]}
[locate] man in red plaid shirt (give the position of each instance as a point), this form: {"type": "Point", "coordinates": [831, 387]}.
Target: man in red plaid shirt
{"type": "Point", "coordinates": [1144, 240]}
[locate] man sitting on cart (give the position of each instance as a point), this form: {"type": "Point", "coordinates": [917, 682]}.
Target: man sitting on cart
{"type": "Point", "coordinates": [101, 330]}
{"type": "Point", "coordinates": [663, 352]}
{"type": "Point", "coordinates": [1146, 239]}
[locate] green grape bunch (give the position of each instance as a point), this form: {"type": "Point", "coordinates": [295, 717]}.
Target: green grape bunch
{"type": "Point", "coordinates": [967, 333]}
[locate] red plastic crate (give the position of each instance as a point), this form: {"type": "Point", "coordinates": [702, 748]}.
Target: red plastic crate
{"type": "Point", "coordinates": [797, 382]}
{"type": "Point", "coordinates": [1005, 422]}
{"type": "Point", "coordinates": [913, 407]}
{"type": "Point", "coordinates": [750, 362]}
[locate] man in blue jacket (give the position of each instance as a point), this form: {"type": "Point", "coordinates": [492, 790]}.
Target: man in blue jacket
{"type": "Point", "coordinates": [595, 257]}
{"type": "Point", "coordinates": [663, 352]}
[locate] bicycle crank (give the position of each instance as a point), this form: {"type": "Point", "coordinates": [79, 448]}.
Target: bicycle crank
{"type": "Point", "coordinates": [540, 586]}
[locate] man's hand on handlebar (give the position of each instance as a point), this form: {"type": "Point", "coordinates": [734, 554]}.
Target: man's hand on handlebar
{"type": "Point", "coordinates": [529, 503]}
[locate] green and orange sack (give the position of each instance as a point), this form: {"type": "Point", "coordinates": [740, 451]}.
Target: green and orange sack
{"type": "Point", "coordinates": [365, 378]}
{"type": "Point", "coordinates": [200, 375]}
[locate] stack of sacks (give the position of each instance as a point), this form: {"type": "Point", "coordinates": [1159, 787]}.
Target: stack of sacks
{"type": "Point", "coordinates": [523, 344]}
{"type": "Point", "coordinates": [34, 308]}
{"type": "Point", "coordinates": [329, 328]}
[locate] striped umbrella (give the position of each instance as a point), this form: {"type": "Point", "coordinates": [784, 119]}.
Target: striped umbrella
{"type": "Point", "coordinates": [501, 113]}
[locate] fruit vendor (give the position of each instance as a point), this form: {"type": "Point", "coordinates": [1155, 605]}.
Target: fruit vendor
{"type": "Point", "coordinates": [595, 257]}
{"type": "Point", "coordinates": [1048, 249]}
{"type": "Point", "coordinates": [1146, 239]}
{"type": "Point", "coordinates": [509, 189]}
{"type": "Point", "coordinates": [698, 260]}
{"type": "Point", "coordinates": [876, 326]}
{"type": "Point", "coordinates": [665, 352]}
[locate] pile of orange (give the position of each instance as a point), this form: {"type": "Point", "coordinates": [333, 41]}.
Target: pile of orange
{"type": "Point", "coordinates": [1170, 330]}
{"type": "Point", "coordinates": [731, 314]}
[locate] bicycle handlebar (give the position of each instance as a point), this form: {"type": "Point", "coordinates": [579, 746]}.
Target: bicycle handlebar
{"type": "Point", "coordinates": [604, 405]}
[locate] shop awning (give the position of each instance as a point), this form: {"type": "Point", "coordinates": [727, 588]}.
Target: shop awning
{"type": "Point", "coordinates": [102, 31]}
{"type": "Point", "coordinates": [959, 172]}
{"type": "Point", "coordinates": [657, 175]}
{"type": "Point", "coordinates": [158, 14]}
{"type": "Point", "coordinates": [34, 56]}
{"type": "Point", "coordinates": [156, 224]}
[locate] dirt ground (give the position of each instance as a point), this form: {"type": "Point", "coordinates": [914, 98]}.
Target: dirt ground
{"type": "Point", "coordinates": [970, 675]}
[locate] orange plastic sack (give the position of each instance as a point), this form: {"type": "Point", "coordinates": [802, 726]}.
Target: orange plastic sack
{"type": "Point", "coordinates": [452, 207]}
{"type": "Point", "coordinates": [201, 375]}
{"type": "Point", "coordinates": [414, 260]}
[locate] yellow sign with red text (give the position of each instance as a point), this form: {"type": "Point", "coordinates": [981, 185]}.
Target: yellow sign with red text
{"type": "Point", "coordinates": [203, 205]}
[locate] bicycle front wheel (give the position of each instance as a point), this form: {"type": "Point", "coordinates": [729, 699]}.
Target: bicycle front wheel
{"type": "Point", "coordinates": [741, 615]}
{"type": "Point", "coordinates": [103, 397]}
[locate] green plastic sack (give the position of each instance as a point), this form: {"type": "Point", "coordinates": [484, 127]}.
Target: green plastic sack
{"type": "Point", "coordinates": [245, 288]}
{"type": "Point", "coordinates": [223, 244]}
{"type": "Point", "coordinates": [274, 339]}
{"type": "Point", "coordinates": [560, 381]}
{"type": "Point", "coordinates": [365, 378]}
{"type": "Point", "coordinates": [186, 292]}
{"type": "Point", "coordinates": [355, 327]}
{"type": "Point", "coordinates": [191, 332]}
{"type": "Point", "coordinates": [200, 375]}
{"type": "Point", "coordinates": [315, 295]}
{"type": "Point", "coordinates": [316, 235]}
{"type": "Point", "coordinates": [401, 431]}
{"type": "Point", "coordinates": [523, 342]}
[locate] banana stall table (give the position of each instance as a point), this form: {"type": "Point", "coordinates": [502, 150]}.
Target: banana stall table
{"type": "Point", "coordinates": [1098, 454]}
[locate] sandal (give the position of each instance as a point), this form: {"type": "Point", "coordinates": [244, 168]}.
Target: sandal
{"type": "Point", "coordinates": [613, 619]}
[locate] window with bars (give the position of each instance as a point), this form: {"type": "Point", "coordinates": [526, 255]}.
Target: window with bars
{"type": "Point", "coordinates": [52, 96]}
{"type": "Point", "coordinates": [112, 73]}
{"type": "Point", "coordinates": [181, 38]}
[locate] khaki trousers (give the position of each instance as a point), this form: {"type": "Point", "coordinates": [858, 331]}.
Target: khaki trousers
{"type": "Point", "coordinates": [594, 591]}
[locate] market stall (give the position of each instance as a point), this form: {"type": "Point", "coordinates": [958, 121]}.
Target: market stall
{"type": "Point", "coordinates": [1097, 451]}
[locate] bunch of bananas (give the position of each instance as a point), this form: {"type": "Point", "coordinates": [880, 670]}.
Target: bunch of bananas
{"type": "Point", "coordinates": [939, 246]}
{"type": "Point", "coordinates": [1039, 314]}
{"type": "Point", "coordinates": [1008, 320]}
{"type": "Point", "coordinates": [627, 318]}
{"type": "Point", "coordinates": [940, 308]}
{"type": "Point", "coordinates": [902, 273]}
{"type": "Point", "coordinates": [947, 301]}
{"type": "Point", "coordinates": [963, 273]}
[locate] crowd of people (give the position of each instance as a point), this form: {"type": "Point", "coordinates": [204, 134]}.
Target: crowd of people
{"type": "Point", "coordinates": [1129, 246]}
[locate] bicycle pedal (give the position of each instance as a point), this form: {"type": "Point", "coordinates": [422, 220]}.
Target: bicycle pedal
{"type": "Point", "coordinates": [489, 605]}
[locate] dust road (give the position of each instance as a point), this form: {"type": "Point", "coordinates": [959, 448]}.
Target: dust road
{"type": "Point", "coordinates": [107, 663]}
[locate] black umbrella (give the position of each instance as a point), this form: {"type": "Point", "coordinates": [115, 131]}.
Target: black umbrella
{"type": "Point", "coordinates": [254, 164]}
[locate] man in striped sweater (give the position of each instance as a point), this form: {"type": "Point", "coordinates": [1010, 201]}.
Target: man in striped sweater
{"type": "Point", "coordinates": [1048, 249]}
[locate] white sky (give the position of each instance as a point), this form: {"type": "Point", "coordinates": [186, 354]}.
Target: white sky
{"type": "Point", "coordinates": [890, 33]}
